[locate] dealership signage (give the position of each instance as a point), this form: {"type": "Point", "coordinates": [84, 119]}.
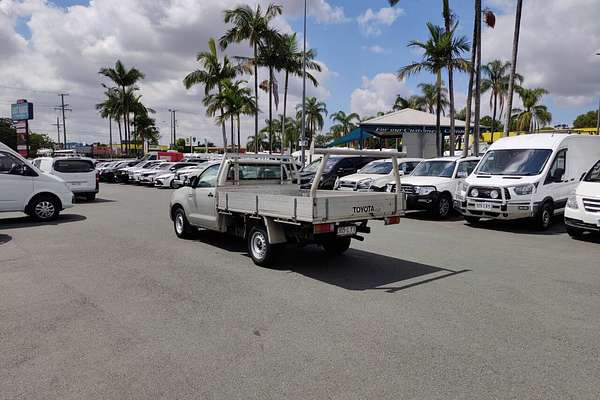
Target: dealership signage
{"type": "Point", "coordinates": [21, 113]}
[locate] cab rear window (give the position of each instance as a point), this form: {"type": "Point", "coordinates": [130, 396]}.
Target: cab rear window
{"type": "Point", "coordinates": [253, 172]}
{"type": "Point", "coordinates": [73, 166]}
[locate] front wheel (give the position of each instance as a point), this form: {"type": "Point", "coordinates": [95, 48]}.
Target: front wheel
{"type": "Point", "coordinates": [182, 227]}
{"type": "Point", "coordinates": [544, 216]}
{"type": "Point", "coordinates": [337, 246]}
{"type": "Point", "coordinates": [443, 207]}
{"type": "Point", "coordinates": [44, 208]}
{"type": "Point", "coordinates": [262, 252]}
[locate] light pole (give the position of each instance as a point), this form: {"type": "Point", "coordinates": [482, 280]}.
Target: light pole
{"type": "Point", "coordinates": [598, 116]}
{"type": "Point", "coordinates": [303, 136]}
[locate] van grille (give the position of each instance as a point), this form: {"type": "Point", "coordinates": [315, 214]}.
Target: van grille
{"type": "Point", "coordinates": [408, 189]}
{"type": "Point", "coordinates": [591, 205]}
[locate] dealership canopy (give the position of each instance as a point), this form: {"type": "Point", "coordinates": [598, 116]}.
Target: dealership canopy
{"type": "Point", "coordinates": [395, 124]}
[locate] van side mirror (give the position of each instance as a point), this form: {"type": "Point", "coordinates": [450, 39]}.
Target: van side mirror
{"type": "Point", "coordinates": [558, 175]}
{"type": "Point", "coordinates": [461, 174]}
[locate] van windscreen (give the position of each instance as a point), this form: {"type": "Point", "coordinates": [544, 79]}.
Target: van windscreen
{"type": "Point", "coordinates": [73, 166]}
{"type": "Point", "coordinates": [594, 174]}
{"type": "Point", "coordinates": [519, 162]}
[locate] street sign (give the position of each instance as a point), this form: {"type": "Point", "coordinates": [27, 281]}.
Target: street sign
{"type": "Point", "coordinates": [303, 143]}
{"type": "Point", "coordinates": [22, 110]}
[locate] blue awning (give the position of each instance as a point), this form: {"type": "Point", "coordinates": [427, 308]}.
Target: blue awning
{"type": "Point", "coordinates": [356, 134]}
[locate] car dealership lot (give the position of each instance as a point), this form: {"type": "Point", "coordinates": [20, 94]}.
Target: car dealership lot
{"type": "Point", "coordinates": [107, 303]}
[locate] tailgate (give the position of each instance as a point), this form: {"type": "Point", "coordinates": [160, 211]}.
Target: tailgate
{"type": "Point", "coordinates": [346, 206]}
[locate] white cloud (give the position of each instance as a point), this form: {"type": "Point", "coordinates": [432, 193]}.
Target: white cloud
{"type": "Point", "coordinates": [377, 94]}
{"type": "Point", "coordinates": [68, 46]}
{"type": "Point", "coordinates": [376, 49]}
{"type": "Point", "coordinates": [370, 22]}
{"type": "Point", "coordinates": [556, 48]}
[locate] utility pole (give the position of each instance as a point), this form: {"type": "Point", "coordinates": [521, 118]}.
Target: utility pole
{"type": "Point", "coordinates": [63, 108]}
{"type": "Point", "coordinates": [173, 127]}
{"type": "Point", "coordinates": [598, 120]}
{"type": "Point", "coordinates": [303, 140]}
{"type": "Point", "coordinates": [57, 125]}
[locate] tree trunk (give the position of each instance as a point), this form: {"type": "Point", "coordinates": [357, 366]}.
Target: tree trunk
{"type": "Point", "coordinates": [471, 79]}
{"type": "Point", "coordinates": [238, 135]}
{"type": "Point", "coordinates": [494, 116]}
{"type": "Point", "coordinates": [224, 132]}
{"type": "Point", "coordinates": [513, 67]}
{"type": "Point", "coordinates": [110, 136]}
{"type": "Point", "coordinates": [270, 110]}
{"type": "Point", "coordinates": [477, 83]}
{"type": "Point", "coordinates": [283, 120]}
{"type": "Point", "coordinates": [448, 25]}
{"type": "Point", "coordinates": [439, 140]}
{"type": "Point", "coordinates": [232, 141]}
{"type": "Point", "coordinates": [120, 134]}
{"type": "Point", "coordinates": [256, 90]}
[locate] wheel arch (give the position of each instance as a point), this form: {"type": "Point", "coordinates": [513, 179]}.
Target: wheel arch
{"type": "Point", "coordinates": [37, 195]}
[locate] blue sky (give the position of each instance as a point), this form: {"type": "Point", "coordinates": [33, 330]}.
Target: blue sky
{"type": "Point", "coordinates": [69, 45]}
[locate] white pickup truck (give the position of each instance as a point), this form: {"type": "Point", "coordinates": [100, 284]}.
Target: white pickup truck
{"type": "Point", "coordinates": [254, 197]}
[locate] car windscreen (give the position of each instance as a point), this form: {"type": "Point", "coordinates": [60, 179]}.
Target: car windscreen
{"type": "Point", "coordinates": [377, 167]}
{"type": "Point", "coordinates": [165, 166]}
{"type": "Point", "coordinates": [443, 169]}
{"type": "Point", "coordinates": [73, 166]}
{"type": "Point", "coordinates": [314, 166]}
{"type": "Point", "coordinates": [518, 162]}
{"type": "Point", "coordinates": [594, 174]}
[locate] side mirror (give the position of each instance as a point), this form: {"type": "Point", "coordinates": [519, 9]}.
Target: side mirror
{"type": "Point", "coordinates": [461, 174]}
{"type": "Point", "coordinates": [558, 175]}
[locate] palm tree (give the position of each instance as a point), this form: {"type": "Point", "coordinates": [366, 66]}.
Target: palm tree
{"type": "Point", "coordinates": [513, 70]}
{"type": "Point", "coordinates": [258, 142]}
{"type": "Point", "coordinates": [291, 58]}
{"type": "Point", "coordinates": [212, 74]}
{"type": "Point", "coordinates": [314, 112]}
{"type": "Point", "coordinates": [123, 78]}
{"type": "Point", "coordinates": [236, 100]}
{"type": "Point", "coordinates": [346, 121]}
{"type": "Point", "coordinates": [431, 93]}
{"type": "Point", "coordinates": [441, 50]}
{"type": "Point", "coordinates": [111, 108]}
{"type": "Point", "coordinates": [291, 132]}
{"type": "Point", "coordinates": [495, 81]}
{"type": "Point", "coordinates": [414, 102]}
{"type": "Point", "coordinates": [533, 115]}
{"type": "Point", "coordinates": [252, 26]}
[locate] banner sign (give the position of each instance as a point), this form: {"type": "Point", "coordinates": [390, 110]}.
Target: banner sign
{"type": "Point", "coordinates": [399, 130]}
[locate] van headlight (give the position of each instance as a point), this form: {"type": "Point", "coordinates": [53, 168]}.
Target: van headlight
{"type": "Point", "coordinates": [424, 190]}
{"type": "Point", "coordinates": [572, 202]}
{"type": "Point", "coordinates": [523, 190]}
{"type": "Point", "coordinates": [364, 184]}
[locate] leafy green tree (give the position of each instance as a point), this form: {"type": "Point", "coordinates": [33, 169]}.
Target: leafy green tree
{"type": "Point", "coordinates": [587, 120]}
{"type": "Point", "coordinates": [258, 142]}
{"type": "Point", "coordinates": [488, 122]}
{"type": "Point", "coordinates": [533, 115]}
{"type": "Point", "coordinates": [440, 51]}
{"type": "Point", "coordinates": [39, 141]}
{"type": "Point", "coordinates": [414, 102]}
{"type": "Point", "coordinates": [346, 121]}
{"type": "Point", "coordinates": [314, 113]}
{"type": "Point", "coordinates": [211, 75]}
{"type": "Point", "coordinates": [8, 134]}
{"type": "Point", "coordinates": [321, 140]}
{"type": "Point", "coordinates": [252, 26]}
{"type": "Point", "coordinates": [431, 94]}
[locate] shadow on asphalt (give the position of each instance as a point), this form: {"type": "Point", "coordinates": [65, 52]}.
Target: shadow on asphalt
{"type": "Point", "coordinates": [27, 222]}
{"type": "Point", "coordinates": [427, 216]}
{"type": "Point", "coordinates": [5, 239]}
{"type": "Point", "coordinates": [354, 270]}
{"type": "Point", "coordinates": [523, 226]}
{"type": "Point", "coordinates": [83, 200]}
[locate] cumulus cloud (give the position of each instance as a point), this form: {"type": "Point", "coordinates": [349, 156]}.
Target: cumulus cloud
{"type": "Point", "coordinates": [376, 49]}
{"type": "Point", "coordinates": [65, 48]}
{"type": "Point", "coordinates": [371, 22]}
{"type": "Point", "coordinates": [377, 94]}
{"type": "Point", "coordinates": [557, 46]}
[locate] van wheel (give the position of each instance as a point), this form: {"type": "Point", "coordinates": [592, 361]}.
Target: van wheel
{"type": "Point", "coordinates": [44, 208]}
{"type": "Point", "coordinates": [544, 216]}
{"type": "Point", "coordinates": [90, 196]}
{"type": "Point", "coordinates": [443, 207]}
{"type": "Point", "coordinates": [337, 246]}
{"type": "Point", "coordinates": [182, 227]}
{"type": "Point", "coordinates": [262, 252]}
{"type": "Point", "coordinates": [472, 220]}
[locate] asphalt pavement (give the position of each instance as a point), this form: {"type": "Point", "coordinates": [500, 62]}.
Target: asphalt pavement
{"type": "Point", "coordinates": [106, 303]}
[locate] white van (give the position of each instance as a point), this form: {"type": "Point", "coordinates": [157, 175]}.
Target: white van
{"type": "Point", "coordinates": [527, 176]}
{"type": "Point", "coordinates": [582, 213]}
{"type": "Point", "coordinates": [24, 188]}
{"type": "Point", "coordinates": [79, 173]}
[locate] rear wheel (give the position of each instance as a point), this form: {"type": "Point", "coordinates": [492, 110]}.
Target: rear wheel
{"type": "Point", "coordinates": [44, 208]}
{"type": "Point", "coordinates": [337, 246]}
{"type": "Point", "coordinates": [262, 252]}
{"type": "Point", "coordinates": [544, 216]}
{"type": "Point", "coordinates": [443, 207]}
{"type": "Point", "coordinates": [90, 196]}
{"type": "Point", "coordinates": [182, 227]}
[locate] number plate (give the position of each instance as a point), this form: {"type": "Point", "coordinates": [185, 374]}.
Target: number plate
{"type": "Point", "coordinates": [483, 206]}
{"type": "Point", "coordinates": [346, 230]}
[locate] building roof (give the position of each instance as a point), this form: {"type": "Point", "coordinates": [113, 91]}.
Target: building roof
{"type": "Point", "coordinates": [411, 117]}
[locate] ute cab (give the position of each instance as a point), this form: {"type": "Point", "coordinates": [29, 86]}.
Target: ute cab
{"type": "Point", "coordinates": [528, 176]}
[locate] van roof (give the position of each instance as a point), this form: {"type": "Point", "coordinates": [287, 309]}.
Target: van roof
{"type": "Point", "coordinates": [537, 141]}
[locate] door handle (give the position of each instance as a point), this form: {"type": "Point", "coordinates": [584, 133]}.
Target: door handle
{"type": "Point", "coordinates": [210, 195]}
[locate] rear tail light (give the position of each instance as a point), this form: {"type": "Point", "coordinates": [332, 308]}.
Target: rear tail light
{"type": "Point", "coordinates": [392, 220]}
{"type": "Point", "coordinates": [324, 228]}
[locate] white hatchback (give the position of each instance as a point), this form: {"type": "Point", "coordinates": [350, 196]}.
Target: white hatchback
{"type": "Point", "coordinates": [78, 172]}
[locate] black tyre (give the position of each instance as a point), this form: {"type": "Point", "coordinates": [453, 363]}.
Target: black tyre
{"type": "Point", "coordinates": [44, 208]}
{"type": "Point", "coordinates": [172, 184]}
{"type": "Point", "coordinates": [182, 227]}
{"type": "Point", "coordinates": [472, 220]}
{"type": "Point", "coordinates": [574, 232]}
{"type": "Point", "coordinates": [544, 216]}
{"type": "Point", "coordinates": [90, 196]}
{"type": "Point", "coordinates": [262, 252]}
{"type": "Point", "coordinates": [442, 207]}
{"type": "Point", "coordinates": [337, 246]}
